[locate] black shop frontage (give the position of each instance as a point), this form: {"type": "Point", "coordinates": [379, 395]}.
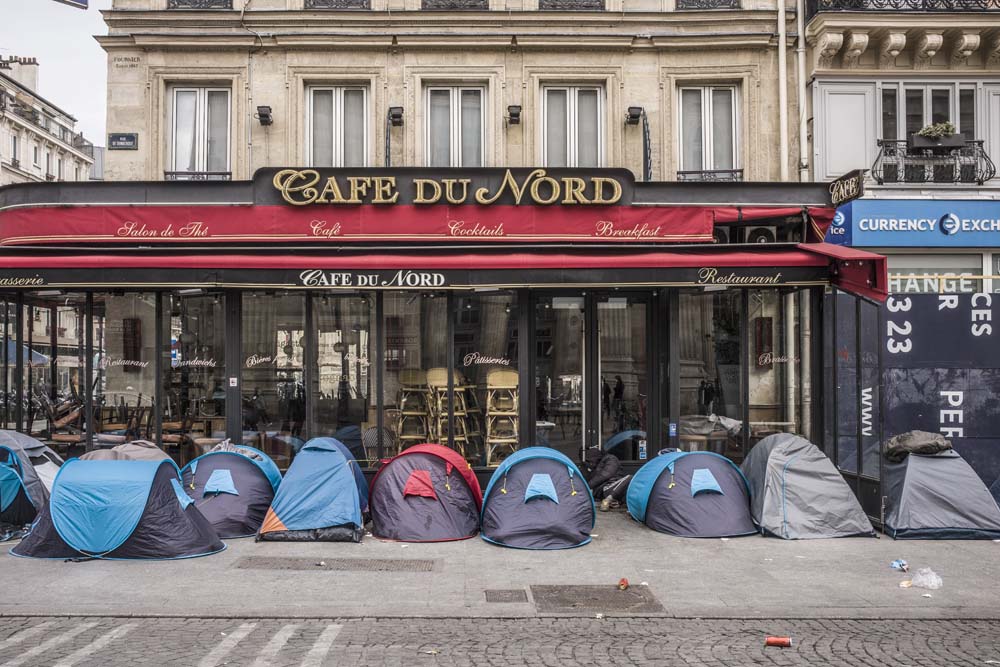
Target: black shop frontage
{"type": "Point", "coordinates": [486, 310]}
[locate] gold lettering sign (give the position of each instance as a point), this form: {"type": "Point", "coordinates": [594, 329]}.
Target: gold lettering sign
{"type": "Point", "coordinates": [306, 186]}
{"type": "Point", "coordinates": [711, 276]}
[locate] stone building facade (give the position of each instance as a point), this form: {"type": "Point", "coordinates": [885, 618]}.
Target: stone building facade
{"type": "Point", "coordinates": [493, 83]}
{"type": "Point", "coordinates": [38, 140]}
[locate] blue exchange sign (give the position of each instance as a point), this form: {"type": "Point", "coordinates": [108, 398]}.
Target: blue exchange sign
{"type": "Point", "coordinates": [938, 223]}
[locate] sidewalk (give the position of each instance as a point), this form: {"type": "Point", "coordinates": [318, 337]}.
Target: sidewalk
{"type": "Point", "coordinates": [736, 578]}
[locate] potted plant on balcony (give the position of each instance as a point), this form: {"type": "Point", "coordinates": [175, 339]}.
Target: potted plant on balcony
{"type": "Point", "coordinates": [937, 137]}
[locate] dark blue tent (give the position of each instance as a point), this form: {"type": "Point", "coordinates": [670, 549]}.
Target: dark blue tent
{"type": "Point", "coordinates": [537, 499]}
{"type": "Point", "coordinates": [233, 489]}
{"type": "Point", "coordinates": [22, 490]}
{"type": "Point", "coordinates": [691, 494]}
{"type": "Point", "coordinates": [119, 510]}
{"type": "Point", "coordinates": [321, 498]}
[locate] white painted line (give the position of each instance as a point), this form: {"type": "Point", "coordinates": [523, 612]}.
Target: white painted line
{"type": "Point", "coordinates": [24, 635]}
{"type": "Point", "coordinates": [95, 646]}
{"type": "Point", "coordinates": [278, 641]}
{"type": "Point", "coordinates": [227, 644]}
{"type": "Point", "coordinates": [322, 646]}
{"type": "Point", "coordinates": [51, 642]}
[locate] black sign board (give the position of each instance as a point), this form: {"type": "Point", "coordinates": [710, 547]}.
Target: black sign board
{"type": "Point", "coordinates": [848, 187]}
{"type": "Point", "coordinates": [123, 141]}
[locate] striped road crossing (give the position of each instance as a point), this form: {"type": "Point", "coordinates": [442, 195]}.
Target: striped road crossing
{"type": "Point", "coordinates": [75, 643]}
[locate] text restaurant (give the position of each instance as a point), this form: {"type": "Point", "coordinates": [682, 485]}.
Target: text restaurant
{"type": "Point", "coordinates": [483, 309]}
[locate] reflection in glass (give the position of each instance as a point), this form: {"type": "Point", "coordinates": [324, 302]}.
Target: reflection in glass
{"type": "Point", "coordinates": [415, 330]}
{"type": "Point", "coordinates": [194, 372]}
{"type": "Point", "coordinates": [559, 373]}
{"type": "Point", "coordinates": [624, 385]}
{"type": "Point", "coordinates": [711, 407]}
{"type": "Point", "coordinates": [124, 366]}
{"type": "Point", "coordinates": [487, 396]}
{"type": "Point", "coordinates": [343, 402]}
{"type": "Point", "coordinates": [273, 384]}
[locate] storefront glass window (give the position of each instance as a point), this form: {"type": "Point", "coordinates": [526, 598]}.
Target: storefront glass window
{"type": "Point", "coordinates": [486, 390]}
{"type": "Point", "coordinates": [711, 403]}
{"type": "Point", "coordinates": [343, 401]}
{"type": "Point", "coordinates": [870, 400]}
{"type": "Point", "coordinates": [559, 373]}
{"type": "Point", "coordinates": [37, 358]}
{"type": "Point", "coordinates": [780, 364]}
{"type": "Point", "coordinates": [273, 382]}
{"type": "Point", "coordinates": [935, 274]}
{"type": "Point", "coordinates": [194, 370]}
{"type": "Point", "coordinates": [846, 374]}
{"type": "Point", "coordinates": [124, 366]}
{"type": "Point", "coordinates": [9, 398]}
{"type": "Point", "coordinates": [415, 386]}
{"type": "Point", "coordinates": [623, 362]}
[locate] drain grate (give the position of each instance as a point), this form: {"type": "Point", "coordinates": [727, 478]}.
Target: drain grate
{"type": "Point", "coordinates": [507, 595]}
{"type": "Point", "coordinates": [594, 599]}
{"type": "Point", "coordinates": [338, 564]}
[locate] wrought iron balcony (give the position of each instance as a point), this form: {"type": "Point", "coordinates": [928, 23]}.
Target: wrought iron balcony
{"type": "Point", "coordinates": [571, 5]}
{"type": "Point", "coordinates": [815, 6]}
{"type": "Point", "coordinates": [455, 4]}
{"type": "Point", "coordinates": [199, 4]}
{"type": "Point", "coordinates": [900, 162]}
{"type": "Point", "coordinates": [197, 175]}
{"type": "Point", "coordinates": [14, 162]}
{"type": "Point", "coordinates": [708, 4]}
{"type": "Point", "coordinates": [712, 175]}
{"type": "Point", "coordinates": [337, 4]}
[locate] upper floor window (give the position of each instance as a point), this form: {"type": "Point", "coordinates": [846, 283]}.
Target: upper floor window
{"type": "Point", "coordinates": [15, 147]}
{"type": "Point", "coordinates": [572, 122]}
{"type": "Point", "coordinates": [36, 155]}
{"type": "Point", "coordinates": [708, 136]}
{"type": "Point", "coordinates": [338, 126]}
{"type": "Point", "coordinates": [48, 163]}
{"type": "Point", "coordinates": [455, 126]}
{"type": "Point", "coordinates": [59, 169]}
{"type": "Point", "coordinates": [906, 109]}
{"type": "Point", "coordinates": [199, 132]}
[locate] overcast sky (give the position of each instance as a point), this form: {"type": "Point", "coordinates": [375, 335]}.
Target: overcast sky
{"type": "Point", "coordinates": [73, 67]}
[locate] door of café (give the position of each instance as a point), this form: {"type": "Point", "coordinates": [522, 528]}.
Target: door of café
{"type": "Point", "coordinates": [591, 371]}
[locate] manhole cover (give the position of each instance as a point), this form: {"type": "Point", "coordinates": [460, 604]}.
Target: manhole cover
{"type": "Point", "coordinates": [341, 564]}
{"type": "Point", "coordinates": [594, 599]}
{"type": "Point", "coordinates": [515, 595]}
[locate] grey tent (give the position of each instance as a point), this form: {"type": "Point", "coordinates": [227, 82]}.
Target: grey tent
{"type": "Point", "coordinates": [27, 468]}
{"type": "Point", "coordinates": [938, 496]}
{"type": "Point", "coordinates": [797, 493]}
{"type": "Point", "coordinates": [137, 450]}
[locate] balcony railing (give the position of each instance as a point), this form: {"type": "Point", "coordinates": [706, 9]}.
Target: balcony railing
{"type": "Point", "coordinates": [900, 162]}
{"type": "Point", "coordinates": [712, 175]}
{"type": "Point", "coordinates": [571, 5]}
{"type": "Point", "coordinates": [14, 162]}
{"type": "Point", "coordinates": [197, 175]}
{"type": "Point", "coordinates": [337, 4]}
{"type": "Point", "coordinates": [815, 6]}
{"type": "Point", "coordinates": [455, 4]}
{"type": "Point", "coordinates": [199, 4]}
{"type": "Point", "coordinates": [708, 4]}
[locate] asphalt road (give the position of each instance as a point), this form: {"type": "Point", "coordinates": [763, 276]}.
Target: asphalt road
{"type": "Point", "coordinates": [206, 642]}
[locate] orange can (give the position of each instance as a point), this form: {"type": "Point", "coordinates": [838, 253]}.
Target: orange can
{"type": "Point", "coordinates": [783, 642]}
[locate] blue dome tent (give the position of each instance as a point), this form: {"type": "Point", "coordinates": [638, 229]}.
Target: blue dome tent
{"type": "Point", "coordinates": [537, 499]}
{"type": "Point", "coordinates": [321, 498]}
{"type": "Point", "coordinates": [233, 488]}
{"type": "Point", "coordinates": [691, 494]}
{"type": "Point", "coordinates": [119, 510]}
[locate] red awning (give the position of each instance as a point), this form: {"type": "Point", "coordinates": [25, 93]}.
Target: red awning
{"type": "Point", "coordinates": [852, 270]}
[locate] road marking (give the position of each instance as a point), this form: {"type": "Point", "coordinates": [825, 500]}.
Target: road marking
{"type": "Point", "coordinates": [24, 635]}
{"type": "Point", "coordinates": [95, 646]}
{"type": "Point", "coordinates": [322, 646]}
{"type": "Point", "coordinates": [47, 644]}
{"type": "Point", "coordinates": [278, 641]}
{"type": "Point", "coordinates": [223, 648]}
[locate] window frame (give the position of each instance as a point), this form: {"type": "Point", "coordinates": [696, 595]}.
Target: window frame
{"type": "Point", "coordinates": [455, 123]}
{"type": "Point", "coordinates": [572, 121]}
{"type": "Point", "coordinates": [338, 120]}
{"type": "Point", "coordinates": [707, 138]}
{"type": "Point", "coordinates": [15, 141]}
{"type": "Point", "coordinates": [201, 126]}
{"type": "Point", "coordinates": [36, 155]}
{"type": "Point", "coordinates": [954, 88]}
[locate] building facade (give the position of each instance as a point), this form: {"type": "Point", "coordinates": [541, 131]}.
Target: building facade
{"type": "Point", "coordinates": [38, 140]}
{"type": "Point", "coordinates": [669, 90]}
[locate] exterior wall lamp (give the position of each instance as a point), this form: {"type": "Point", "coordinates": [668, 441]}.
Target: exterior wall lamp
{"type": "Point", "coordinates": [514, 114]}
{"type": "Point", "coordinates": [633, 115]}
{"type": "Point", "coordinates": [264, 115]}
